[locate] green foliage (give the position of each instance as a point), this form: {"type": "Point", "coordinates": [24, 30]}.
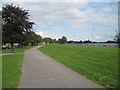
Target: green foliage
{"type": "Point", "coordinates": [54, 41]}
{"type": "Point", "coordinates": [12, 65]}
{"type": "Point", "coordinates": [87, 41]}
{"type": "Point", "coordinates": [62, 40]}
{"type": "Point", "coordinates": [15, 23]}
{"type": "Point", "coordinates": [48, 40]}
{"type": "Point", "coordinates": [99, 64]}
{"type": "Point", "coordinates": [31, 37]}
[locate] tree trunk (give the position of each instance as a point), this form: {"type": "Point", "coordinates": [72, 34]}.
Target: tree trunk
{"type": "Point", "coordinates": [12, 45]}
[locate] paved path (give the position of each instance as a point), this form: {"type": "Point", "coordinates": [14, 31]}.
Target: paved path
{"type": "Point", "coordinates": [9, 54]}
{"type": "Point", "coordinates": [40, 71]}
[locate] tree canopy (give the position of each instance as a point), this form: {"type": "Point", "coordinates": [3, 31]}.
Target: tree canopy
{"type": "Point", "coordinates": [15, 24]}
{"type": "Point", "coordinates": [48, 40]}
{"type": "Point", "coordinates": [63, 40]}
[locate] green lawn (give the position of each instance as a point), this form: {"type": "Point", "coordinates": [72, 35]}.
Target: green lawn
{"type": "Point", "coordinates": [99, 64]}
{"type": "Point", "coordinates": [0, 72]}
{"type": "Point", "coordinates": [11, 67]}
{"type": "Point", "coordinates": [17, 49]}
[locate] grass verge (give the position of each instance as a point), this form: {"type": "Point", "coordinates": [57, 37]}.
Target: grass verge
{"type": "Point", "coordinates": [17, 49]}
{"type": "Point", "coordinates": [11, 70]}
{"type": "Point", "coordinates": [0, 72]}
{"type": "Point", "coordinates": [11, 67]}
{"type": "Point", "coordinates": [99, 64]}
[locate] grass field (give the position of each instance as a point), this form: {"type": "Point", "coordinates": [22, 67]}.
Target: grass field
{"type": "Point", "coordinates": [11, 72]}
{"type": "Point", "coordinates": [99, 64]}
{"type": "Point", "coordinates": [11, 67]}
{"type": "Point", "coordinates": [0, 72]}
{"type": "Point", "coordinates": [17, 49]}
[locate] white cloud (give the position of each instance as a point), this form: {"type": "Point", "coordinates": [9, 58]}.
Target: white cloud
{"type": "Point", "coordinates": [60, 0]}
{"type": "Point", "coordinates": [40, 33]}
{"type": "Point", "coordinates": [70, 12]}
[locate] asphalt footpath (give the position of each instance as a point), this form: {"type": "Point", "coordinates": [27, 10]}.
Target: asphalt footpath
{"type": "Point", "coordinates": [41, 71]}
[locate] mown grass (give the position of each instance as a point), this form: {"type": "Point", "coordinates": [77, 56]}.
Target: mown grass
{"type": "Point", "coordinates": [99, 64]}
{"type": "Point", "coordinates": [17, 49]}
{"type": "Point", "coordinates": [11, 67]}
{"type": "Point", "coordinates": [0, 72]}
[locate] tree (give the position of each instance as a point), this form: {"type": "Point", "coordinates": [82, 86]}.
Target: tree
{"type": "Point", "coordinates": [71, 41]}
{"type": "Point", "coordinates": [15, 24]}
{"type": "Point", "coordinates": [54, 40]}
{"type": "Point", "coordinates": [110, 41]}
{"type": "Point", "coordinates": [63, 40]}
{"type": "Point", "coordinates": [31, 37]}
{"type": "Point", "coordinates": [38, 38]}
{"type": "Point", "coordinates": [88, 41]}
{"type": "Point", "coordinates": [48, 40]}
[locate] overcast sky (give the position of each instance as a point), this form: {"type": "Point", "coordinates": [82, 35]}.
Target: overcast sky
{"type": "Point", "coordinates": [77, 20]}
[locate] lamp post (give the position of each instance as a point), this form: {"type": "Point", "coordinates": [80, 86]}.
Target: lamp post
{"type": "Point", "coordinates": [92, 35]}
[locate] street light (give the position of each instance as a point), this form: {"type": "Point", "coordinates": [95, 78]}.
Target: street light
{"type": "Point", "coordinates": [92, 34]}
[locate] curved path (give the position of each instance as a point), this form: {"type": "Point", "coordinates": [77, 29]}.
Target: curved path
{"type": "Point", "coordinates": [41, 71]}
